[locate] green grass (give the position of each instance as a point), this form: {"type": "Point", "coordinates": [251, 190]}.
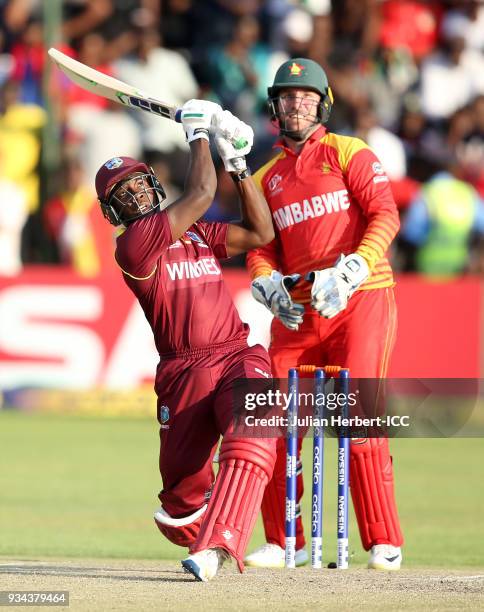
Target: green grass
{"type": "Point", "coordinates": [86, 487]}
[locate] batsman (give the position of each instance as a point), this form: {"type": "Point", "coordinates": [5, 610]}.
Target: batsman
{"type": "Point", "coordinates": [326, 279]}
{"type": "Point", "coordinates": [169, 259]}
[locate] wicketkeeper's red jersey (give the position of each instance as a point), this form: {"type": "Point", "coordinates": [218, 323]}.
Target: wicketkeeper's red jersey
{"type": "Point", "coordinates": [333, 197]}
{"type": "Point", "coordinates": [179, 283]}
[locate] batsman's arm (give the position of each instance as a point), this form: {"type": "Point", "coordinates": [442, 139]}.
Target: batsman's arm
{"type": "Point", "coordinates": [201, 181]}
{"type": "Point", "coordinates": [255, 228]}
{"type": "Point", "coordinates": [200, 186]}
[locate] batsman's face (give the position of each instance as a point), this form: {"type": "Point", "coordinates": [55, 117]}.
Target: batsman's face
{"type": "Point", "coordinates": [298, 108]}
{"type": "Point", "coordinates": [134, 196]}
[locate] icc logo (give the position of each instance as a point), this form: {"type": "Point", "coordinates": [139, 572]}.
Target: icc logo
{"type": "Point", "coordinates": [274, 182]}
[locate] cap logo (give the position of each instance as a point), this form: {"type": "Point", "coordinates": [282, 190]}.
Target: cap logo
{"type": "Point", "coordinates": [114, 163]}
{"type": "Point", "coordinates": [295, 69]}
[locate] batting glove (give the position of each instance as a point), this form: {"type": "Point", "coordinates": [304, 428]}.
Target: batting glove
{"type": "Point", "coordinates": [333, 287]}
{"type": "Point", "coordinates": [232, 160]}
{"type": "Point", "coordinates": [273, 292]}
{"type": "Point", "coordinates": [197, 117]}
{"type": "Point", "coordinates": [234, 130]}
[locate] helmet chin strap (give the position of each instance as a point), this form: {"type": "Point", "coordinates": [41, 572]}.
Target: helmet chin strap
{"type": "Point", "coordinates": [298, 135]}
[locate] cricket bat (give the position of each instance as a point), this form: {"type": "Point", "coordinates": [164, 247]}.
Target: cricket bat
{"type": "Point", "coordinates": [108, 87]}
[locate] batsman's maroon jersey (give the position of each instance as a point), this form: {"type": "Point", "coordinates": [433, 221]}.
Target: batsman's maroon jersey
{"type": "Point", "coordinates": [179, 283]}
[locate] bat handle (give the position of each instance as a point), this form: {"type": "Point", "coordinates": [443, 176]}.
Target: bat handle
{"type": "Point", "coordinates": [238, 144]}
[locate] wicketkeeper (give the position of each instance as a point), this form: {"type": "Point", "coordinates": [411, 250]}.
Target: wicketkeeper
{"type": "Point", "coordinates": [328, 283]}
{"type": "Point", "coordinates": [170, 261]}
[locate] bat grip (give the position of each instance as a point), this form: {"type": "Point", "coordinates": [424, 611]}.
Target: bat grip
{"type": "Point", "coordinates": [238, 144]}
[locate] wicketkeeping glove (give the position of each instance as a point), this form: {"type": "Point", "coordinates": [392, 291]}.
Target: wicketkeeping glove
{"type": "Point", "coordinates": [273, 292]}
{"type": "Point", "coordinates": [197, 117]}
{"type": "Point", "coordinates": [333, 287]}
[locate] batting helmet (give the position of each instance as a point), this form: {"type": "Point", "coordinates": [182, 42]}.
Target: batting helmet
{"type": "Point", "coordinates": [110, 175]}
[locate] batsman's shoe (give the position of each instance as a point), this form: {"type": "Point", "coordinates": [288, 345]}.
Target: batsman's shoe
{"type": "Point", "coordinates": [273, 556]}
{"type": "Point", "coordinates": [385, 557]}
{"type": "Point", "coordinates": [205, 564]}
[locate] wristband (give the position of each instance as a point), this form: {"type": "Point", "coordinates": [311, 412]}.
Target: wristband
{"type": "Point", "coordinates": [196, 134]}
{"type": "Point", "coordinates": [237, 177]}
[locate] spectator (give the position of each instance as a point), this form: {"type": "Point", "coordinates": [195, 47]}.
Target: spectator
{"type": "Point", "coordinates": [215, 21]}
{"type": "Point", "coordinates": [298, 29]}
{"type": "Point", "coordinates": [417, 65]}
{"type": "Point", "coordinates": [15, 16]}
{"type": "Point", "coordinates": [468, 17]}
{"type": "Point", "coordinates": [387, 78]}
{"type": "Point", "coordinates": [83, 16]}
{"type": "Point", "coordinates": [411, 124]}
{"type": "Point", "coordinates": [168, 74]}
{"type": "Point", "coordinates": [13, 214]}
{"type": "Point", "coordinates": [178, 24]}
{"type": "Point", "coordinates": [441, 222]}
{"type": "Point", "coordinates": [92, 52]}
{"type": "Point", "coordinates": [470, 148]}
{"type": "Point", "coordinates": [72, 220]}
{"type": "Point", "coordinates": [6, 60]}
{"type": "Point", "coordinates": [355, 28]}
{"type": "Point", "coordinates": [411, 25]}
{"type": "Point", "coordinates": [238, 71]}
{"type": "Point", "coordinates": [28, 63]}
{"type": "Point", "coordinates": [20, 127]}
{"type": "Point", "coordinates": [386, 145]}
{"type": "Point", "coordinates": [453, 69]}
{"type": "Point", "coordinates": [108, 131]}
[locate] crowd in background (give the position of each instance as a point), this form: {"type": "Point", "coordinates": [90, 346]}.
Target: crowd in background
{"type": "Point", "coordinates": [407, 77]}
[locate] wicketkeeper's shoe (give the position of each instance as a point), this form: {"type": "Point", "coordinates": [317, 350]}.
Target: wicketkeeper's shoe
{"type": "Point", "coordinates": [273, 556]}
{"type": "Point", "coordinates": [205, 564]}
{"type": "Point", "coordinates": [385, 557]}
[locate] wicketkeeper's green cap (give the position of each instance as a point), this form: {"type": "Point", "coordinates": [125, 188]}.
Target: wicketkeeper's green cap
{"type": "Point", "coordinates": [302, 73]}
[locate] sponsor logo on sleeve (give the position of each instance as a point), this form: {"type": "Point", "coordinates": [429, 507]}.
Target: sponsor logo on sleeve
{"type": "Point", "coordinates": [377, 168]}
{"type": "Point", "coordinates": [380, 177]}
{"type": "Point", "coordinates": [192, 237]}
{"type": "Point", "coordinates": [164, 417]}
